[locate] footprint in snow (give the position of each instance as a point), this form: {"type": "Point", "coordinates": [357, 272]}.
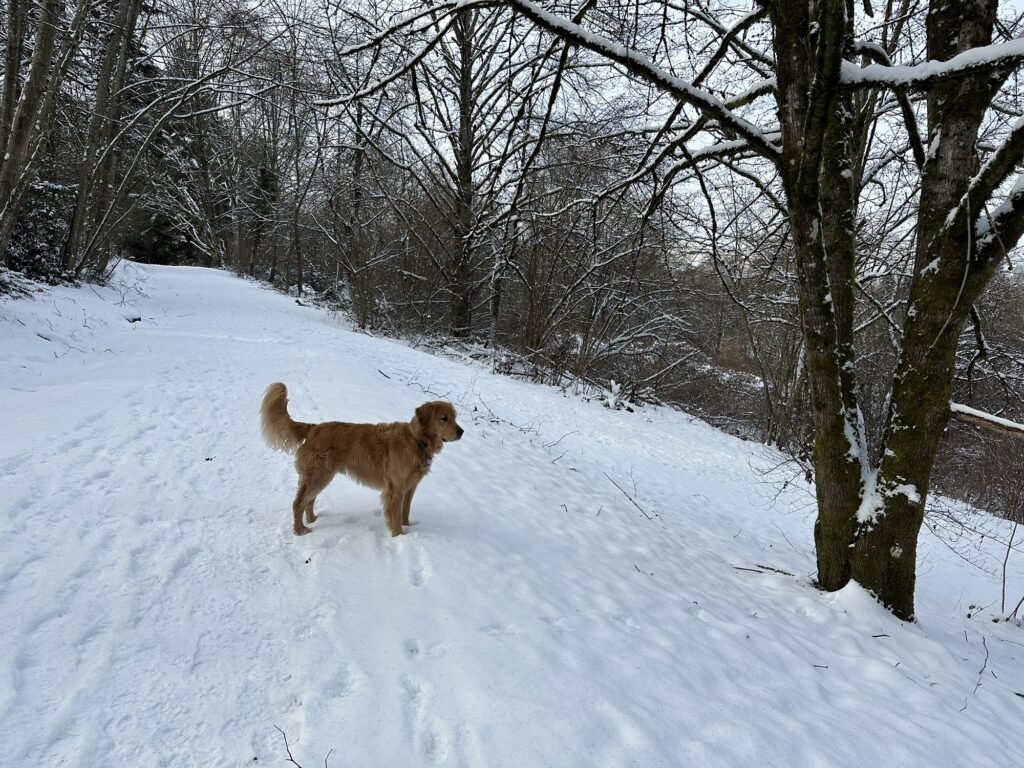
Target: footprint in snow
{"type": "Point", "coordinates": [419, 570]}
{"type": "Point", "coordinates": [498, 629]}
{"type": "Point", "coordinates": [428, 732]}
{"type": "Point", "coordinates": [415, 648]}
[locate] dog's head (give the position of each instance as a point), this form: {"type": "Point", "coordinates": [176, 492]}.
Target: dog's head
{"type": "Point", "coordinates": [435, 422]}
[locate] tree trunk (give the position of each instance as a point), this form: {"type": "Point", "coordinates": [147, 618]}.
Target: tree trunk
{"type": "Point", "coordinates": [815, 137]}
{"type": "Point", "coordinates": [17, 16]}
{"type": "Point", "coordinates": [948, 277]}
{"type": "Point", "coordinates": [98, 159]}
{"type": "Point", "coordinates": [359, 283]}
{"type": "Point", "coordinates": [14, 165]}
{"type": "Point", "coordinates": [461, 286]}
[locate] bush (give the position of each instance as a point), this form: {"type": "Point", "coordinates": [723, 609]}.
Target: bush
{"type": "Point", "coordinates": [36, 244]}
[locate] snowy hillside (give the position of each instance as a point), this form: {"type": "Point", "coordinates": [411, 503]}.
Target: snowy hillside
{"type": "Point", "coordinates": [585, 587]}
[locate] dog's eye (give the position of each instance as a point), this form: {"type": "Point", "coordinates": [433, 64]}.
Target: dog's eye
{"type": "Point", "coordinates": [444, 418]}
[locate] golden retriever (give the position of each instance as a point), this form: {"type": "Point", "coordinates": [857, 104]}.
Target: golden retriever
{"type": "Point", "coordinates": [391, 458]}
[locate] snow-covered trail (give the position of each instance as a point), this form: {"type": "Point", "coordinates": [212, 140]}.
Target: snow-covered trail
{"type": "Point", "coordinates": [157, 611]}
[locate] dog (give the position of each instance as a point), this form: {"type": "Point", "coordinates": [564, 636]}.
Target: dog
{"type": "Point", "coordinates": [391, 458]}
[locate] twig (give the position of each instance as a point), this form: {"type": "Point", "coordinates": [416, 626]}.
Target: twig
{"type": "Point", "coordinates": [1017, 608]}
{"type": "Point", "coordinates": [1006, 559]}
{"type": "Point", "coordinates": [552, 445]}
{"type": "Point", "coordinates": [983, 666]}
{"type": "Point", "coordinates": [287, 748]}
{"type": "Point", "coordinates": [289, 751]}
{"type": "Point", "coordinates": [785, 537]}
{"type": "Point", "coordinates": [628, 497]}
{"type": "Point", "coordinates": [759, 568]}
{"type": "Point", "coordinates": [773, 570]}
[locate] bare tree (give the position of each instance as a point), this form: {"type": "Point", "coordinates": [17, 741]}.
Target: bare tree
{"type": "Point", "coordinates": [869, 511]}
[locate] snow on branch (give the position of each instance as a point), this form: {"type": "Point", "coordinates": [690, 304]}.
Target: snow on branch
{"type": "Point", "coordinates": [759, 141]}
{"type": "Point", "coordinates": [647, 70]}
{"type": "Point", "coordinates": [987, 420]}
{"type": "Point", "coordinates": [880, 55]}
{"type": "Point", "coordinates": [993, 173]}
{"type": "Point", "coordinates": [1005, 224]}
{"type": "Point", "coordinates": [985, 57]}
{"type": "Point", "coordinates": [764, 88]}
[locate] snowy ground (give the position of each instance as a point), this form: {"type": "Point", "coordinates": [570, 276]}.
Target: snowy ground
{"type": "Point", "coordinates": [157, 611]}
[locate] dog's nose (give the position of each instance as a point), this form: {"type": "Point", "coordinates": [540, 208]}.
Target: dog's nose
{"type": "Point", "coordinates": [459, 436]}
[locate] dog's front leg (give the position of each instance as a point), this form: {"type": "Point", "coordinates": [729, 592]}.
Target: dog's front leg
{"type": "Point", "coordinates": [391, 499]}
{"type": "Point", "coordinates": [406, 503]}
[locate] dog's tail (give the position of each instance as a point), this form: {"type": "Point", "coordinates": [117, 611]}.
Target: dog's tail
{"type": "Point", "coordinates": [280, 432]}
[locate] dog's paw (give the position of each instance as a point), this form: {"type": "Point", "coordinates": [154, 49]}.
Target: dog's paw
{"type": "Point", "coordinates": [303, 531]}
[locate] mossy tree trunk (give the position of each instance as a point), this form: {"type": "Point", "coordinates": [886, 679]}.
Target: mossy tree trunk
{"type": "Point", "coordinates": [816, 175]}
{"type": "Point", "coordinates": [951, 267]}
{"type": "Point", "coordinates": [864, 533]}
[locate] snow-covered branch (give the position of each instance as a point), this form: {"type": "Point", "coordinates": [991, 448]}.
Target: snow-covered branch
{"type": "Point", "coordinates": [647, 70]}
{"type": "Point", "coordinates": [987, 57]}
{"type": "Point", "coordinates": [989, 421]}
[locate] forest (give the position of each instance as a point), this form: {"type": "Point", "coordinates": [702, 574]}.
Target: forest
{"type": "Point", "coordinates": [797, 221]}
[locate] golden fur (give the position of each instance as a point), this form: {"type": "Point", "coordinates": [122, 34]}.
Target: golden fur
{"type": "Point", "coordinates": [392, 458]}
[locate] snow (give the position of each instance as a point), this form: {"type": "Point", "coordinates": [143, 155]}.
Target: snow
{"type": "Point", "coordinates": [982, 57]}
{"type": "Point", "coordinates": [586, 586]}
{"type": "Point", "coordinates": [871, 503]}
{"type": "Point", "coordinates": [966, 409]}
{"type": "Point", "coordinates": [908, 490]}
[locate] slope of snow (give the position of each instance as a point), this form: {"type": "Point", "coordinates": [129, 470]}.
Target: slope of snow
{"type": "Point", "coordinates": [157, 610]}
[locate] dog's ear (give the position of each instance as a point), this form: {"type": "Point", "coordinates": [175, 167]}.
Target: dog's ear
{"type": "Point", "coordinates": [424, 418]}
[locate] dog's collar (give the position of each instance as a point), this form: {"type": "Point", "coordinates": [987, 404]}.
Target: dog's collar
{"type": "Point", "coordinates": [425, 450]}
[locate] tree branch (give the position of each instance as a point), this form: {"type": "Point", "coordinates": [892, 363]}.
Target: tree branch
{"type": "Point", "coordinates": [989, 421]}
{"type": "Point", "coordinates": [980, 59]}
{"type": "Point", "coordinates": [648, 71]}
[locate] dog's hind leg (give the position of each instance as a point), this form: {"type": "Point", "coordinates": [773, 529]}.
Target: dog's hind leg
{"type": "Point", "coordinates": [299, 506]}
{"type": "Point", "coordinates": [391, 499]}
{"type": "Point", "coordinates": [316, 483]}
{"type": "Point", "coordinates": [309, 488]}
